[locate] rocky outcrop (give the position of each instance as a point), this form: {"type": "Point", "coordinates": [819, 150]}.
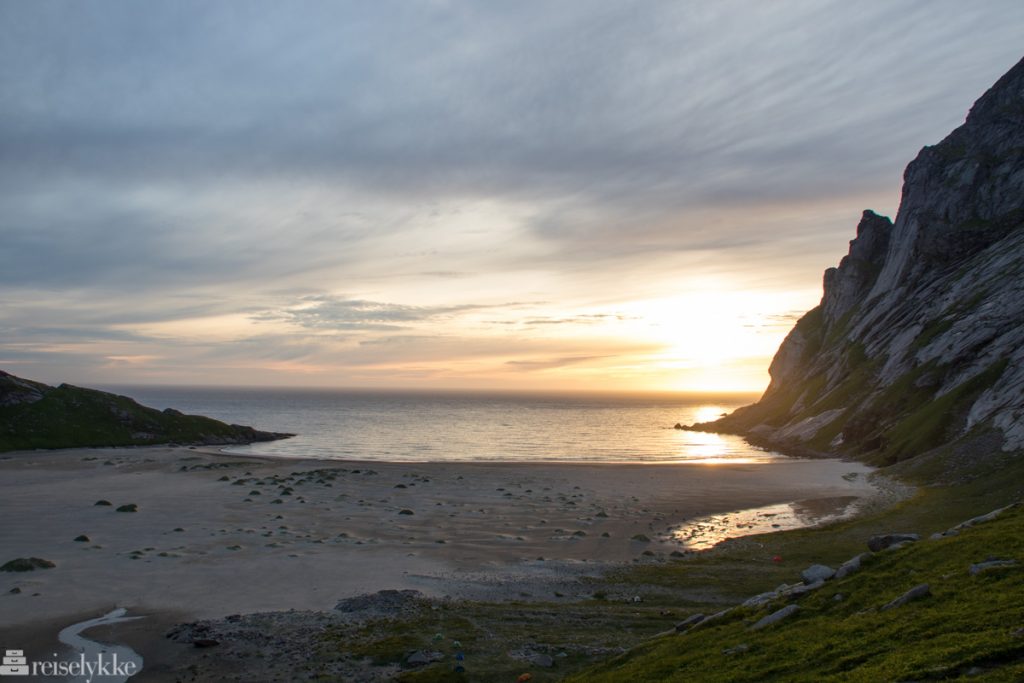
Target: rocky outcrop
{"type": "Point", "coordinates": [35, 415]}
{"type": "Point", "coordinates": [918, 343]}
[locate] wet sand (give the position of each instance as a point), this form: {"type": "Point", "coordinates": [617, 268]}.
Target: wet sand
{"type": "Point", "coordinates": [217, 534]}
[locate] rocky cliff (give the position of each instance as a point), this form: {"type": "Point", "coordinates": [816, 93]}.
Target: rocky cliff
{"type": "Point", "coordinates": [35, 415]}
{"type": "Point", "coordinates": [918, 343]}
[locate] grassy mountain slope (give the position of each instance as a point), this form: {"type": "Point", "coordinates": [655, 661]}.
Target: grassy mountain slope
{"type": "Point", "coordinates": [34, 415]}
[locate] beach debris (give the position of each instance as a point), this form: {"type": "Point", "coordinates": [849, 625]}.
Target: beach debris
{"type": "Point", "coordinates": [103, 502]}
{"type": "Point", "coordinates": [885, 541]}
{"type": "Point", "coordinates": [82, 539]}
{"type": "Point", "coordinates": [27, 564]}
{"type": "Point", "coordinates": [128, 507]}
{"type": "Point", "coordinates": [523, 678]}
{"type": "Point", "coordinates": [777, 559]}
{"type": "Point", "coordinates": [915, 593]}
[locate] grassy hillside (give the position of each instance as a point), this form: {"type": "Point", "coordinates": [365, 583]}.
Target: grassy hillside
{"type": "Point", "coordinates": [970, 625]}
{"type": "Point", "coordinates": [34, 415]}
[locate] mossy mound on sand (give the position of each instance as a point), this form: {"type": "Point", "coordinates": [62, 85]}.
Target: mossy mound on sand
{"type": "Point", "coordinates": [34, 415]}
{"type": "Point", "coordinates": [27, 564]}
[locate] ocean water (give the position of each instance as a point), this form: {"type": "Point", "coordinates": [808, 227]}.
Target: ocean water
{"type": "Point", "coordinates": [450, 426]}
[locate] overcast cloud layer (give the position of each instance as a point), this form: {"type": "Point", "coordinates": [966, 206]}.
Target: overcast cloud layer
{"type": "Point", "coordinates": [450, 193]}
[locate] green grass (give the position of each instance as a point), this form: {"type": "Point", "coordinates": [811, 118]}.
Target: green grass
{"type": "Point", "coordinates": [73, 417]}
{"type": "Point", "coordinates": [969, 621]}
{"type": "Point", "coordinates": [827, 641]}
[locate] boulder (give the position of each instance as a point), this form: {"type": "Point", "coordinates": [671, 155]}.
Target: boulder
{"type": "Point", "coordinates": [915, 593]}
{"type": "Point", "coordinates": [689, 622]}
{"type": "Point", "coordinates": [879, 543]}
{"type": "Point", "coordinates": [852, 565]}
{"type": "Point", "coordinates": [816, 573]}
{"type": "Point", "coordinates": [423, 657]}
{"type": "Point", "coordinates": [542, 660]}
{"type": "Point", "coordinates": [775, 617]}
{"type": "Point", "coordinates": [990, 564]}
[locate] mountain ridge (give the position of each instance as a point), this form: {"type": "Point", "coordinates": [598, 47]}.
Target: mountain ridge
{"type": "Point", "coordinates": [917, 345]}
{"type": "Point", "coordinates": [36, 415]}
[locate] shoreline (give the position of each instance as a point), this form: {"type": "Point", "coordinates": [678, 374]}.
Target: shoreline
{"type": "Point", "coordinates": [220, 533]}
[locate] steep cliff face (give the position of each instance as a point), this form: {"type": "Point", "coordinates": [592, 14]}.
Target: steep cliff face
{"type": "Point", "coordinates": [918, 342]}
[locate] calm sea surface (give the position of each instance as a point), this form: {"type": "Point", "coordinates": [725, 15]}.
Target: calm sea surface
{"type": "Point", "coordinates": [397, 426]}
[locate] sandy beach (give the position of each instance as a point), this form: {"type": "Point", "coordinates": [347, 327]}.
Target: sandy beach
{"type": "Point", "coordinates": [216, 534]}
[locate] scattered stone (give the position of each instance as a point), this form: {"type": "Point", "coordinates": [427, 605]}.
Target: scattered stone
{"type": "Point", "coordinates": [421, 658]}
{"type": "Point", "coordinates": [542, 660]}
{"type": "Point", "coordinates": [27, 564]}
{"type": "Point", "coordinates": [915, 593]}
{"type": "Point", "coordinates": [406, 511]}
{"type": "Point", "coordinates": [988, 517]}
{"type": "Point", "coordinates": [82, 539]}
{"type": "Point", "coordinates": [129, 507]}
{"type": "Point", "coordinates": [103, 502]}
{"type": "Point", "coordinates": [205, 642]}
{"type": "Point", "coordinates": [760, 599]}
{"type": "Point", "coordinates": [606, 535]}
{"type": "Point", "coordinates": [689, 622]}
{"type": "Point", "coordinates": [838, 597]}
{"type": "Point", "coordinates": [850, 566]}
{"type": "Point", "coordinates": [775, 617]}
{"type": "Point", "coordinates": [990, 564]}
{"type": "Point", "coordinates": [642, 538]}
{"type": "Point", "coordinates": [879, 543]}
{"type": "Point", "coordinates": [383, 601]}
{"type": "Point", "coordinates": [742, 647]}
{"type": "Point", "coordinates": [14, 591]}
{"type": "Point", "coordinates": [801, 589]}
{"type": "Point", "coordinates": [816, 573]}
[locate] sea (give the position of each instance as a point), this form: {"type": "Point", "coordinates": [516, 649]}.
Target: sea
{"type": "Point", "coordinates": [468, 426]}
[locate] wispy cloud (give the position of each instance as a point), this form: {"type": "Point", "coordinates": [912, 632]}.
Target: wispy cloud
{"type": "Point", "coordinates": [392, 170]}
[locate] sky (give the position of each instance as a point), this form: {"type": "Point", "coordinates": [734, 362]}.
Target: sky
{"type": "Point", "coordinates": [573, 195]}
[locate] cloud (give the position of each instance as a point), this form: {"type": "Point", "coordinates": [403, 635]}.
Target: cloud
{"type": "Point", "coordinates": [550, 363]}
{"type": "Point", "coordinates": [173, 161]}
{"type": "Point", "coordinates": [324, 312]}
